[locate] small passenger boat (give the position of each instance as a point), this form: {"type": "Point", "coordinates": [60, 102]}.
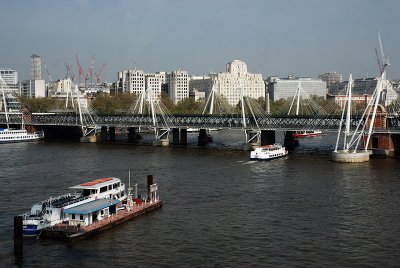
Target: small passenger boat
{"type": "Point", "coordinates": [268, 152]}
{"type": "Point", "coordinates": [308, 133]}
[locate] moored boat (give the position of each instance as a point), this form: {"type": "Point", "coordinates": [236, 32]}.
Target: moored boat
{"type": "Point", "coordinates": [88, 219]}
{"type": "Point", "coordinates": [52, 210]}
{"type": "Point", "coordinates": [268, 152]}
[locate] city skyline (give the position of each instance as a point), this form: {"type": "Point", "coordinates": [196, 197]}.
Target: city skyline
{"type": "Point", "coordinates": [303, 38]}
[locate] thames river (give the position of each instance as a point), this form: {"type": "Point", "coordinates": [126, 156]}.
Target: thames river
{"type": "Point", "coordinates": [219, 208]}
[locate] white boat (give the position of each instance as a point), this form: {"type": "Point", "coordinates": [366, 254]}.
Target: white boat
{"type": "Point", "coordinates": [51, 211]}
{"type": "Point", "coordinates": [268, 152]}
{"type": "Point", "coordinates": [17, 135]}
{"type": "Point", "coordinates": [308, 133]}
{"type": "Point", "coordinates": [8, 134]}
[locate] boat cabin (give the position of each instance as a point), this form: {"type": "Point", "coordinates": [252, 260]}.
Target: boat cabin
{"type": "Point", "coordinates": [90, 212]}
{"type": "Point", "coordinates": [101, 188]}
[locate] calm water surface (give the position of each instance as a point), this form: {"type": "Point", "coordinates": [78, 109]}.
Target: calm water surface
{"type": "Point", "coordinates": [220, 210]}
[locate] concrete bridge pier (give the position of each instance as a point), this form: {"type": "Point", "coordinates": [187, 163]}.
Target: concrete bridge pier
{"type": "Point", "coordinates": [290, 140]}
{"type": "Point", "coordinates": [204, 137]}
{"type": "Point", "coordinates": [111, 133]}
{"type": "Point", "coordinates": [163, 139]}
{"type": "Point", "coordinates": [175, 136]}
{"type": "Point", "coordinates": [133, 134]}
{"type": "Point", "coordinates": [179, 136]}
{"type": "Point", "coordinates": [103, 133]}
{"type": "Point", "coordinates": [183, 140]}
{"type": "Point", "coordinates": [252, 139]}
{"type": "Point", "coordinates": [267, 137]}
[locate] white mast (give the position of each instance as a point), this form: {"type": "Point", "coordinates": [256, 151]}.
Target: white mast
{"type": "Point", "coordinates": [348, 114]}
{"type": "Point", "coordinates": [4, 100]}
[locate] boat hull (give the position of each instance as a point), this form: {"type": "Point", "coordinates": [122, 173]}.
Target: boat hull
{"type": "Point", "coordinates": [266, 159]}
{"type": "Point", "coordinates": [30, 230]}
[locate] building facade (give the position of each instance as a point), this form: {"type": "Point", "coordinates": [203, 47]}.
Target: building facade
{"type": "Point", "coordinates": [284, 88]}
{"type": "Point", "coordinates": [36, 67]}
{"type": "Point", "coordinates": [32, 88]}
{"type": "Point", "coordinates": [331, 78]}
{"type": "Point", "coordinates": [10, 77]}
{"type": "Point", "coordinates": [177, 85]}
{"type": "Point", "coordinates": [236, 81]}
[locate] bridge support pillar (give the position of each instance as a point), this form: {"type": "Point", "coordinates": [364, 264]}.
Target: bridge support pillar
{"type": "Point", "coordinates": [252, 139]}
{"type": "Point", "coordinates": [132, 134]}
{"type": "Point", "coordinates": [203, 137]}
{"type": "Point", "coordinates": [267, 137]}
{"type": "Point", "coordinates": [175, 136]}
{"type": "Point", "coordinates": [290, 139]}
{"type": "Point", "coordinates": [183, 136]}
{"type": "Point", "coordinates": [111, 133]}
{"type": "Point", "coordinates": [103, 133]}
{"type": "Point", "coordinates": [163, 138]}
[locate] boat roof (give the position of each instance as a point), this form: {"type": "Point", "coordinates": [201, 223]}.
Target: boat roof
{"type": "Point", "coordinates": [94, 184]}
{"type": "Point", "coordinates": [91, 206]}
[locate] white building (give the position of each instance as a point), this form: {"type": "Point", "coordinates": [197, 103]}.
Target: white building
{"type": "Point", "coordinates": [177, 85]}
{"type": "Point", "coordinates": [60, 88]}
{"type": "Point", "coordinates": [33, 88]}
{"type": "Point", "coordinates": [10, 77]}
{"type": "Point", "coordinates": [136, 81]}
{"type": "Point", "coordinates": [237, 81]}
{"type": "Point", "coordinates": [284, 88]}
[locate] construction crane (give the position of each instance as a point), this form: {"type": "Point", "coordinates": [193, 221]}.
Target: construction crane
{"type": "Point", "coordinates": [378, 59]}
{"type": "Point", "coordinates": [81, 73]}
{"type": "Point", "coordinates": [91, 71]}
{"type": "Point", "coordinates": [98, 73]}
{"type": "Point", "coordinates": [47, 71]}
{"type": "Point", "coordinates": [69, 73]}
{"type": "Point", "coordinates": [385, 61]}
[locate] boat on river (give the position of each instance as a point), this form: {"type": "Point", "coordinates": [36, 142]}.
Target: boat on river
{"type": "Point", "coordinates": [88, 219]}
{"type": "Point", "coordinates": [51, 211]}
{"type": "Point", "coordinates": [268, 152]}
{"type": "Point", "coordinates": [8, 135]}
{"type": "Point", "coordinates": [308, 133]}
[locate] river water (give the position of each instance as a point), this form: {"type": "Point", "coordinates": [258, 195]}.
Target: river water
{"type": "Point", "coordinates": [219, 208]}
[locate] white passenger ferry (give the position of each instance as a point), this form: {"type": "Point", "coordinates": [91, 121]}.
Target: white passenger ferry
{"type": "Point", "coordinates": [17, 135]}
{"type": "Point", "coordinates": [51, 211]}
{"type": "Point", "coordinates": [268, 152]}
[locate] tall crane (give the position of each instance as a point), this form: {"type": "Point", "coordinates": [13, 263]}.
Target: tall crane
{"type": "Point", "coordinates": [98, 73]}
{"type": "Point", "coordinates": [385, 61]}
{"type": "Point", "coordinates": [47, 71]}
{"type": "Point", "coordinates": [91, 71]}
{"type": "Point", "coordinates": [81, 73]}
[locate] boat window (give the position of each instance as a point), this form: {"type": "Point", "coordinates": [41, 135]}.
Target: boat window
{"type": "Point", "coordinates": [109, 187]}
{"type": "Point", "coordinates": [73, 216]}
{"type": "Point", "coordinates": [103, 189]}
{"type": "Point", "coordinates": [81, 217]}
{"type": "Point", "coordinates": [93, 191]}
{"type": "Point", "coordinates": [86, 192]}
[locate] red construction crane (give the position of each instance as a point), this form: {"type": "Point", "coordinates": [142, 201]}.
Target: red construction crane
{"type": "Point", "coordinates": [98, 73]}
{"type": "Point", "coordinates": [91, 71]}
{"type": "Point", "coordinates": [81, 73]}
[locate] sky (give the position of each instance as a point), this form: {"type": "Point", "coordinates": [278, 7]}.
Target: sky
{"type": "Point", "coordinates": [274, 37]}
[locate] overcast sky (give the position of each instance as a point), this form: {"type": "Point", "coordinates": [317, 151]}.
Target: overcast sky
{"type": "Point", "coordinates": [281, 37]}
